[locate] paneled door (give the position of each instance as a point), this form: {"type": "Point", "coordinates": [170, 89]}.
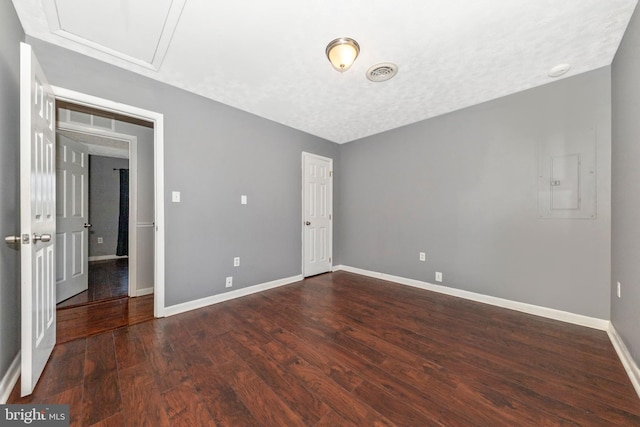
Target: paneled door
{"type": "Point", "coordinates": [72, 212]}
{"type": "Point", "coordinates": [317, 182]}
{"type": "Point", "coordinates": [37, 219]}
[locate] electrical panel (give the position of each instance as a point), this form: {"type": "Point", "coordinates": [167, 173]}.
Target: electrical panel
{"type": "Point", "coordinates": [567, 176]}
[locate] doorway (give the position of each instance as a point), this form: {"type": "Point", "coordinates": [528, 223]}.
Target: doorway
{"type": "Point", "coordinates": [317, 214]}
{"type": "Point", "coordinates": [105, 252]}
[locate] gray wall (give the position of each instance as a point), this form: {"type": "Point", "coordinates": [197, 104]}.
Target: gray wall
{"type": "Point", "coordinates": [463, 188]}
{"type": "Point", "coordinates": [213, 154]}
{"type": "Point", "coordinates": [625, 239]}
{"type": "Point", "coordinates": [11, 35]}
{"type": "Point", "coordinates": [104, 203]}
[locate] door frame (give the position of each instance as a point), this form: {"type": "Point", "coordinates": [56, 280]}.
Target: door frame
{"type": "Point", "coordinates": [132, 142]}
{"type": "Point", "coordinates": [158, 162]}
{"type": "Point", "coordinates": [302, 221]}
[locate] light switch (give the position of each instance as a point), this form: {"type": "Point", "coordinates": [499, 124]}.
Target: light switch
{"type": "Point", "coordinates": [243, 199]}
{"type": "Point", "coordinates": [175, 196]}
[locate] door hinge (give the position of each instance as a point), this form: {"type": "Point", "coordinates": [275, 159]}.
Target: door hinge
{"type": "Point", "coordinates": [329, 259]}
{"type": "Point", "coordinates": [329, 217]}
{"type": "Point", "coordinates": [330, 173]}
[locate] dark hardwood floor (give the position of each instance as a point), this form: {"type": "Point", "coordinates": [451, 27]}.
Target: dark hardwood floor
{"type": "Point", "coordinates": [107, 279]}
{"type": "Point", "coordinates": [342, 350]}
{"type": "Point", "coordinates": [90, 319]}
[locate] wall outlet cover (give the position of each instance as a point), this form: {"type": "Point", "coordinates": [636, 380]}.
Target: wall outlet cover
{"type": "Point", "coordinates": [229, 282]}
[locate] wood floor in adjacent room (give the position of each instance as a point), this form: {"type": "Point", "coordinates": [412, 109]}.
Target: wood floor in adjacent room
{"type": "Point", "coordinates": [342, 349]}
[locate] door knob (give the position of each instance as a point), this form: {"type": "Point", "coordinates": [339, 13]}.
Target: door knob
{"type": "Point", "coordinates": [44, 238]}
{"type": "Point", "coordinates": [87, 225]}
{"type": "Point", "coordinates": [307, 223]}
{"type": "Point", "coordinates": [12, 239]}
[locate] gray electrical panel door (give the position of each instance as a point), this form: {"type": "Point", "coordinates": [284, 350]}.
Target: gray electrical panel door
{"type": "Point", "coordinates": [567, 176]}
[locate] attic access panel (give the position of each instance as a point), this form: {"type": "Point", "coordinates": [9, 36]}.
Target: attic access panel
{"type": "Point", "coordinates": [567, 176]}
{"type": "Point", "coordinates": [129, 30]}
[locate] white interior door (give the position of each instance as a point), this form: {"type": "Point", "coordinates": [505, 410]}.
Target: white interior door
{"type": "Point", "coordinates": [72, 218]}
{"type": "Point", "coordinates": [317, 214]}
{"type": "Point", "coordinates": [37, 218]}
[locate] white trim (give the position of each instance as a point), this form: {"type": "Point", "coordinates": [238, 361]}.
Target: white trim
{"type": "Point", "coordinates": [633, 371]}
{"type": "Point", "coordinates": [158, 153]}
{"type": "Point", "coordinates": [551, 313]}
{"type": "Point", "coordinates": [215, 299]}
{"type": "Point", "coordinates": [10, 379]}
{"type": "Point", "coordinates": [143, 292]}
{"type": "Point", "coordinates": [132, 248]}
{"type": "Point", "coordinates": [106, 257]}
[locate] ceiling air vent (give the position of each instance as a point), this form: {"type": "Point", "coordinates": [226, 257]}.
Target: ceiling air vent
{"type": "Point", "coordinates": [382, 72]}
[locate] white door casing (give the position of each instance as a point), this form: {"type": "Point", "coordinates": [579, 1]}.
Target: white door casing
{"type": "Point", "coordinates": [317, 212]}
{"type": "Point", "coordinates": [37, 219]}
{"type": "Point", "coordinates": [72, 218]}
{"type": "Point", "coordinates": [157, 119]}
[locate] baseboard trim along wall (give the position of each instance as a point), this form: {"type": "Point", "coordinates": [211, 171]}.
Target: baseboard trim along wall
{"type": "Point", "coordinates": [550, 313]}
{"type": "Point", "coordinates": [633, 371]}
{"type": "Point", "coordinates": [215, 299]}
{"type": "Point", "coordinates": [106, 257]}
{"type": "Point", "coordinates": [10, 379]}
{"type": "Point", "coordinates": [145, 291]}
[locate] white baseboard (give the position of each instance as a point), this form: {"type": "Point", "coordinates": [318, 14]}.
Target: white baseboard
{"type": "Point", "coordinates": [550, 313]}
{"type": "Point", "coordinates": [215, 299]}
{"type": "Point", "coordinates": [9, 380]}
{"type": "Point", "coordinates": [106, 257]}
{"type": "Point", "coordinates": [143, 292]}
{"type": "Point", "coordinates": [625, 357]}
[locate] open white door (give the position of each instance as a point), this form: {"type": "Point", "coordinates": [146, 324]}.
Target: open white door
{"type": "Point", "coordinates": [317, 200]}
{"type": "Point", "coordinates": [72, 216]}
{"type": "Point", "coordinates": [37, 218]}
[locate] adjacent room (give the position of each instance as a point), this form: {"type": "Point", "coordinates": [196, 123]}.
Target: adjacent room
{"type": "Point", "coordinates": [321, 214]}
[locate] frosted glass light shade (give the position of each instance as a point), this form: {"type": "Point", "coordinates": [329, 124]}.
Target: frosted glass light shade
{"type": "Point", "coordinates": [342, 53]}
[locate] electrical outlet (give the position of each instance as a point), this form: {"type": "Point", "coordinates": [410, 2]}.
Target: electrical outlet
{"type": "Point", "coordinates": [236, 261]}
{"type": "Point", "coordinates": [100, 240]}
{"type": "Point", "coordinates": [243, 200]}
{"type": "Point", "coordinates": [618, 290]}
{"type": "Point", "coordinates": [438, 276]}
{"type": "Point", "coordinates": [229, 282]}
{"type": "Point", "coordinates": [423, 256]}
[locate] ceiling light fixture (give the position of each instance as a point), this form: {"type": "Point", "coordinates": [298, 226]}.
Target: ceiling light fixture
{"type": "Point", "coordinates": [342, 52]}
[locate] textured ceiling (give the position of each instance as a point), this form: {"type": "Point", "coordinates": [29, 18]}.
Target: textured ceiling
{"type": "Point", "coordinates": [267, 57]}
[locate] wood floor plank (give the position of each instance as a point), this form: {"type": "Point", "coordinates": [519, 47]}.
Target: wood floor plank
{"type": "Point", "coordinates": [129, 348]}
{"type": "Point", "coordinates": [73, 398]}
{"type": "Point", "coordinates": [185, 407]}
{"type": "Point", "coordinates": [141, 401]}
{"type": "Point", "coordinates": [263, 403]}
{"type": "Point", "coordinates": [220, 399]}
{"type": "Point", "coordinates": [339, 349]}
{"type": "Point", "coordinates": [83, 321]}
{"type": "Point", "coordinates": [100, 398]}
{"type": "Point", "coordinates": [167, 369]}
{"type": "Point", "coordinates": [299, 399]}
{"type": "Point", "coordinates": [332, 419]}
